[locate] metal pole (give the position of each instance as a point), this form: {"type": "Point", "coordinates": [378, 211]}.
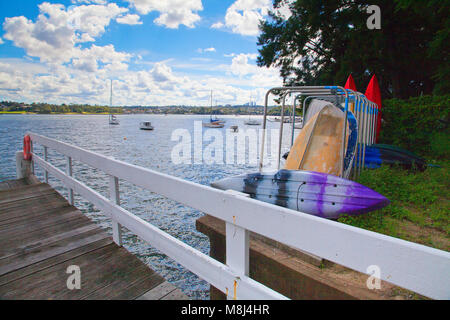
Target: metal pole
{"type": "Point", "coordinates": [280, 138]}
{"type": "Point", "coordinates": [330, 90]}
{"type": "Point", "coordinates": [344, 134]}
{"type": "Point", "coordinates": [294, 107]}
{"type": "Point", "coordinates": [366, 131]}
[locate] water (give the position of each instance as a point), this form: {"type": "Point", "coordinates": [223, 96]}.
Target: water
{"type": "Point", "coordinates": [149, 149]}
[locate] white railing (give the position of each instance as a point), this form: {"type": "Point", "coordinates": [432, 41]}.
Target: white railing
{"type": "Point", "coordinates": [409, 265]}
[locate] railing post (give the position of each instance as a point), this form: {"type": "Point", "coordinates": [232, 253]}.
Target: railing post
{"type": "Point", "coordinates": [32, 162]}
{"type": "Point", "coordinates": [237, 250]}
{"type": "Point", "coordinates": [46, 159]}
{"type": "Point", "coordinates": [23, 167]}
{"type": "Point", "coordinates": [69, 173]}
{"type": "Point", "coordinates": [114, 195]}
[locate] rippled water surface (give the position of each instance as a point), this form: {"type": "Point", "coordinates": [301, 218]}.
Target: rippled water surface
{"type": "Point", "coordinates": [149, 149]}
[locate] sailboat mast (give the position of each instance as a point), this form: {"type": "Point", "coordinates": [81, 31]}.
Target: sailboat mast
{"type": "Point", "coordinates": [249, 105]}
{"type": "Point", "coordinates": [110, 96]}
{"type": "Point", "coordinates": [211, 107]}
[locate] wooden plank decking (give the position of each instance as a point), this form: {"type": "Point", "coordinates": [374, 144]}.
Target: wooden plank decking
{"type": "Point", "coordinates": [41, 235]}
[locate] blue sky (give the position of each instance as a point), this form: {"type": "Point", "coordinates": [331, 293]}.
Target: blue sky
{"type": "Point", "coordinates": [157, 52]}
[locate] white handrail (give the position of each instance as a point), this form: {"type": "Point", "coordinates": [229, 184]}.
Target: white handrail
{"type": "Point", "coordinates": [412, 266]}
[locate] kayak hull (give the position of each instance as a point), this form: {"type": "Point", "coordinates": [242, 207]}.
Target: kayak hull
{"type": "Point", "coordinates": [315, 193]}
{"type": "Point", "coordinates": [378, 155]}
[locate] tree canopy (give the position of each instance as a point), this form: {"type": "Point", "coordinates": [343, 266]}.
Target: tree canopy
{"type": "Point", "coordinates": [320, 42]}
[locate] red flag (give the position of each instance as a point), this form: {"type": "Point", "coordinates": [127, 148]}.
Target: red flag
{"type": "Point", "coordinates": [373, 94]}
{"type": "Point", "coordinates": [350, 84]}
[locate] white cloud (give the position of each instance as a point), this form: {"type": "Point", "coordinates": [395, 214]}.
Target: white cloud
{"type": "Point", "coordinates": [90, 1]}
{"type": "Point", "coordinates": [157, 85]}
{"type": "Point", "coordinates": [283, 10]}
{"type": "Point", "coordinates": [87, 59]}
{"type": "Point", "coordinates": [71, 70]}
{"type": "Point", "coordinates": [54, 35]}
{"type": "Point", "coordinates": [200, 50]}
{"type": "Point", "coordinates": [241, 66]}
{"type": "Point", "coordinates": [217, 25]}
{"type": "Point", "coordinates": [92, 19]}
{"type": "Point", "coordinates": [172, 12]}
{"type": "Point", "coordinates": [1, 41]}
{"type": "Point", "coordinates": [131, 19]}
{"type": "Point", "coordinates": [243, 16]}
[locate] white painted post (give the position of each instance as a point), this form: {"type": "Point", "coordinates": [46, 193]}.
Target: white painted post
{"type": "Point", "coordinates": [32, 163]}
{"type": "Point", "coordinates": [46, 159]}
{"type": "Point", "coordinates": [23, 167]}
{"type": "Point", "coordinates": [69, 172]}
{"type": "Point", "coordinates": [114, 195]}
{"type": "Point", "coordinates": [237, 250]}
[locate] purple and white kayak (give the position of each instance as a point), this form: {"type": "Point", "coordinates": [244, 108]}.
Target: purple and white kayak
{"type": "Point", "coordinates": [316, 193]}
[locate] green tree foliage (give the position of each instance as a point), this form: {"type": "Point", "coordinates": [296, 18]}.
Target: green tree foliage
{"type": "Point", "coordinates": [323, 41]}
{"type": "Point", "coordinates": [45, 108]}
{"type": "Point", "coordinates": [439, 46]}
{"type": "Point", "coordinates": [418, 124]}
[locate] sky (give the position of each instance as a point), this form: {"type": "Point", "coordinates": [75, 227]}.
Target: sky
{"type": "Point", "coordinates": [157, 52]}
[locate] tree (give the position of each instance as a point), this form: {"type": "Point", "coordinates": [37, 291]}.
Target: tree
{"type": "Point", "coordinates": [323, 41]}
{"type": "Point", "coordinates": [46, 109]}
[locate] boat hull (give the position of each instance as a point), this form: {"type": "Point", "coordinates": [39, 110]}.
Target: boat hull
{"type": "Point", "coordinates": [318, 147]}
{"type": "Point", "coordinates": [378, 155]}
{"type": "Point", "coordinates": [213, 125]}
{"type": "Point", "coordinates": [315, 193]}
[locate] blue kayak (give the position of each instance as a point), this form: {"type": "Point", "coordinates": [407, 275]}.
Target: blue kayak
{"type": "Point", "coordinates": [378, 155]}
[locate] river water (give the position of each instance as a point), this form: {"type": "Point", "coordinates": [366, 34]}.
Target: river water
{"type": "Point", "coordinates": [149, 149]}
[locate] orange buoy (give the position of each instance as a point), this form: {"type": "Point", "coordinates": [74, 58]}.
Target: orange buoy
{"type": "Point", "coordinates": [27, 148]}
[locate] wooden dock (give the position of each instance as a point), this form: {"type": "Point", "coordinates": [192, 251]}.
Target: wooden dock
{"type": "Point", "coordinates": [41, 235]}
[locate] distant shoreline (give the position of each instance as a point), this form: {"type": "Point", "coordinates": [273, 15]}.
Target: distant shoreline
{"type": "Point", "coordinates": [55, 113]}
{"type": "Point", "coordinates": [123, 114]}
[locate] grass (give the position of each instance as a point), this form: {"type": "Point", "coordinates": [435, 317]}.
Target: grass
{"type": "Point", "coordinates": [419, 208]}
{"type": "Point", "coordinates": [13, 112]}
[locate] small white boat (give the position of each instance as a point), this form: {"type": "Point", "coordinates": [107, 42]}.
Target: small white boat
{"type": "Point", "coordinates": [252, 122]}
{"type": "Point", "coordinates": [146, 126]}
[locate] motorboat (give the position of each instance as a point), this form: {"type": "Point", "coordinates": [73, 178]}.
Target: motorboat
{"type": "Point", "coordinates": [252, 122]}
{"type": "Point", "coordinates": [146, 125]}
